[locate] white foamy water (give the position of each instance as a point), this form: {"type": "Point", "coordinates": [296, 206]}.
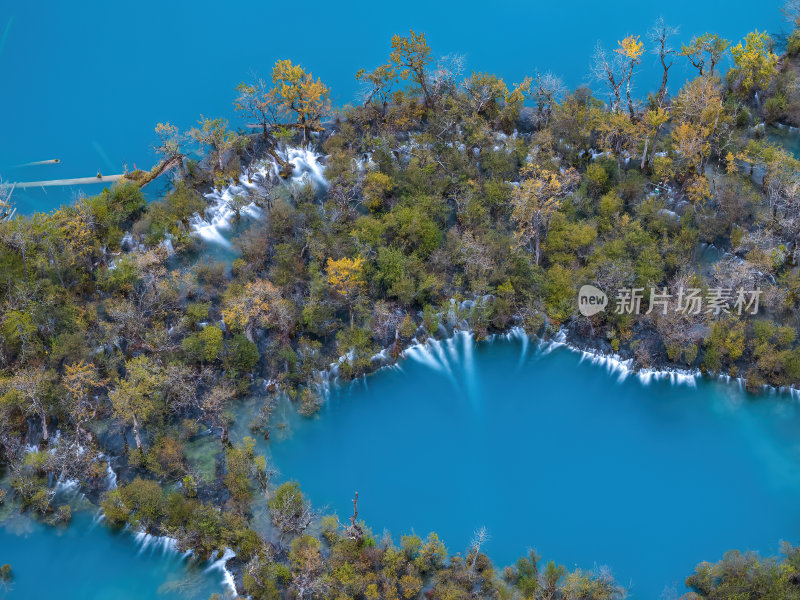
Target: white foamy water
{"type": "Point", "coordinates": [219, 565]}
{"type": "Point", "coordinates": [254, 181]}
{"type": "Point", "coordinates": [148, 542]}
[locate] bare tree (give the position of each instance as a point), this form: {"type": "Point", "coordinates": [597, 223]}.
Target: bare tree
{"type": "Point", "coordinates": [659, 35]}
{"type": "Point", "coordinates": [214, 403]}
{"type": "Point", "coordinates": [606, 68]}
{"type": "Point", "coordinates": [546, 90]}
{"type": "Point", "coordinates": [354, 531]}
{"type": "Point", "coordinates": [445, 75]}
{"type": "Point", "coordinates": [791, 12]}
{"type": "Point", "coordinates": [617, 70]}
{"type": "Point", "coordinates": [782, 187]}
{"type": "Point", "coordinates": [479, 538]}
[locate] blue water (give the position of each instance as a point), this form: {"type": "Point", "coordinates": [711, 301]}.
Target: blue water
{"type": "Point", "coordinates": [87, 82]}
{"type": "Point", "coordinates": [558, 455]}
{"type": "Point", "coordinates": [87, 561]}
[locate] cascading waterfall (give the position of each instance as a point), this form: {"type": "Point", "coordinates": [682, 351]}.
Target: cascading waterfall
{"type": "Point", "coordinates": [219, 216]}
{"type": "Point", "coordinates": [444, 356]}
{"type": "Point", "coordinates": [149, 543]}
{"type": "Point", "coordinates": [220, 565]}
{"type": "Point", "coordinates": [166, 545]}
{"type": "Point", "coordinates": [439, 356]}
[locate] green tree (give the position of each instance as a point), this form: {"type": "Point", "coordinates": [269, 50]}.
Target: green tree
{"type": "Point", "coordinates": [137, 397]}
{"type": "Point", "coordinates": [755, 62]}
{"type": "Point", "coordinates": [705, 52]}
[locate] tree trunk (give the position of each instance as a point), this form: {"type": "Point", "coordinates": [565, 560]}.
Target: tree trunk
{"type": "Point", "coordinates": [224, 433]}
{"type": "Point", "coordinates": [655, 138]}
{"type": "Point", "coordinates": [43, 417]}
{"type": "Point", "coordinates": [662, 91]}
{"type": "Point", "coordinates": [630, 101]}
{"type": "Point", "coordinates": [644, 152]}
{"type": "Point", "coordinates": [136, 433]}
{"type": "Point", "coordinates": [78, 435]}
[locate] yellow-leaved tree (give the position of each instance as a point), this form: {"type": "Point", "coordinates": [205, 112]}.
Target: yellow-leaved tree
{"type": "Point", "coordinates": [631, 50]}
{"type": "Point", "coordinates": [258, 304]}
{"type": "Point", "coordinates": [755, 62]}
{"type": "Point", "coordinates": [534, 201]}
{"type": "Point", "coordinates": [139, 395]}
{"type": "Point", "coordinates": [80, 381]}
{"type": "Point", "coordinates": [298, 96]}
{"type": "Point", "coordinates": [346, 280]}
{"type": "Point", "coordinates": [700, 112]}
{"type": "Point", "coordinates": [410, 58]}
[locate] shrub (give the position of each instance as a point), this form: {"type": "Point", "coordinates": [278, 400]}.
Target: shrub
{"type": "Point", "coordinates": [241, 355]}
{"type": "Point", "coordinates": [376, 189]}
{"type": "Point", "coordinates": [775, 108]}
{"type": "Point", "coordinates": [197, 312]}
{"type": "Point", "coordinates": [204, 346]}
{"type": "Point", "coordinates": [6, 573]}
{"type": "Point", "coordinates": [166, 457]}
{"type": "Point", "coordinates": [597, 179]}
{"type": "Point", "coordinates": [793, 43]}
{"type": "Point", "coordinates": [127, 199]}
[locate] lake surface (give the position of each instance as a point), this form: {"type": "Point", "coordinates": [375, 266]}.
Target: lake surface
{"type": "Point", "coordinates": [87, 561]}
{"type": "Point", "coordinates": [556, 454]}
{"type": "Point", "coordinates": [87, 82]}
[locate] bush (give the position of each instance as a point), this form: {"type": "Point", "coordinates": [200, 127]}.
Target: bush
{"type": "Point", "coordinates": [197, 312]}
{"type": "Point", "coordinates": [597, 179]}
{"type": "Point", "coordinates": [560, 296]}
{"type": "Point", "coordinates": [310, 402]}
{"type": "Point", "coordinates": [793, 43]}
{"type": "Point", "coordinates": [120, 277]}
{"type": "Point", "coordinates": [775, 108]}
{"type": "Point", "coordinates": [241, 355]}
{"type": "Point", "coordinates": [6, 573]}
{"type": "Point", "coordinates": [166, 457]}
{"type": "Point", "coordinates": [63, 514]}
{"type": "Point", "coordinates": [125, 201]}
{"type": "Point", "coordinates": [205, 345]}
{"type": "Point", "coordinates": [376, 189]}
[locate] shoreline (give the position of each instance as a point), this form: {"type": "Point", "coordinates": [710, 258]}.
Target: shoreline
{"type": "Point", "coordinates": [613, 363]}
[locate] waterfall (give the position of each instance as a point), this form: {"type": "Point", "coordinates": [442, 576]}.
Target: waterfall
{"type": "Point", "coordinates": [148, 542]}
{"type": "Point", "coordinates": [220, 565]}
{"type": "Point", "coordinates": [219, 215]}
{"type": "Point", "coordinates": [422, 353]}
{"type": "Point", "coordinates": [111, 476]}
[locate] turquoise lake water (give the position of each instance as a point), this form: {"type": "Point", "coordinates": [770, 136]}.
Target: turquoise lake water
{"type": "Point", "coordinates": [551, 453]}
{"type": "Point", "coordinates": [87, 561]}
{"type": "Point", "coordinates": [87, 82]}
